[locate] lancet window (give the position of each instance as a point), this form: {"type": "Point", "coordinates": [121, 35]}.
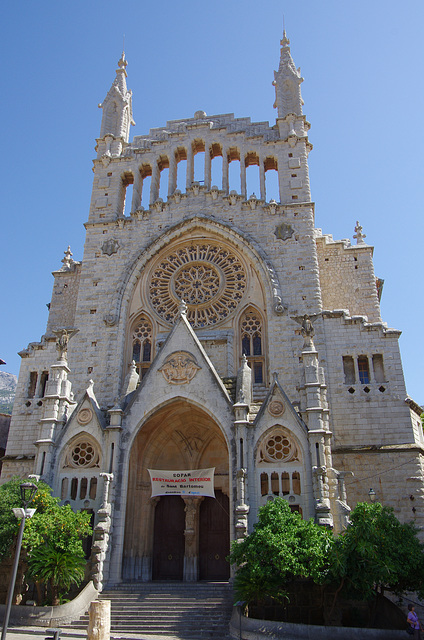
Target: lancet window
{"type": "Point", "coordinates": [141, 344]}
{"type": "Point", "coordinates": [252, 343]}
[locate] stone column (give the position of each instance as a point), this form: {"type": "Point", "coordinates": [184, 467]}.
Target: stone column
{"type": "Point", "coordinates": [190, 167]}
{"type": "Point", "coordinates": [137, 188]}
{"type": "Point", "coordinates": [355, 364]}
{"type": "Point", "coordinates": [225, 171]}
{"type": "Point", "coordinates": [56, 404]}
{"type": "Point", "coordinates": [101, 534]}
{"type": "Point", "coordinates": [172, 175]}
{"type": "Point", "coordinates": [191, 533]}
{"type": "Point", "coordinates": [208, 168]}
{"type": "Point", "coordinates": [154, 186]}
{"type": "Point", "coordinates": [147, 533]}
{"type": "Point", "coordinates": [99, 620]}
{"type": "Point", "coordinates": [318, 430]}
{"type": "Point", "coordinates": [243, 175]}
{"type": "Point", "coordinates": [242, 509]}
{"type": "Point", "coordinates": [262, 179]}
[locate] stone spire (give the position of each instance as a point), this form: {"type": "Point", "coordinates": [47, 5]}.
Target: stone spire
{"type": "Point", "coordinates": [287, 81]}
{"type": "Point", "coordinates": [117, 106]}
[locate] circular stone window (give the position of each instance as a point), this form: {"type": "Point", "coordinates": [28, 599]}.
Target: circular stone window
{"type": "Point", "coordinates": [210, 279]}
{"type": "Point", "coordinates": [83, 454]}
{"type": "Point", "coordinates": [278, 447]}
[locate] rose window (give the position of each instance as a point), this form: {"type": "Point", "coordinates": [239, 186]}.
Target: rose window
{"type": "Point", "coordinates": [209, 278]}
{"type": "Point", "coordinates": [82, 454]}
{"type": "Point", "coordinates": [197, 284]}
{"type": "Point", "coordinates": [278, 448]}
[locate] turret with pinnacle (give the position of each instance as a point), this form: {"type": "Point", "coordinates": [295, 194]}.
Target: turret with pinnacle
{"type": "Point", "coordinates": [117, 113]}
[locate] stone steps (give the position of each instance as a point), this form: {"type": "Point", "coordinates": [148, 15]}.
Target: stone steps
{"type": "Point", "coordinates": [184, 611]}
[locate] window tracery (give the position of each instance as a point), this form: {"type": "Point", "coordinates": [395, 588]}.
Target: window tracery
{"type": "Point", "coordinates": [210, 278]}
{"type": "Point", "coordinates": [82, 454]}
{"type": "Point", "coordinates": [278, 447]}
{"type": "Point", "coordinates": [141, 342]}
{"type": "Point", "coordinates": [280, 473]}
{"type": "Point", "coordinates": [251, 329]}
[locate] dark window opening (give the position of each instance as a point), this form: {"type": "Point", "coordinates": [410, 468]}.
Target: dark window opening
{"type": "Point", "coordinates": [43, 383]}
{"type": "Point", "coordinates": [364, 370]}
{"type": "Point", "coordinates": [257, 345]}
{"type": "Point", "coordinates": [264, 484]}
{"type": "Point", "coordinates": [285, 483]}
{"type": "Point", "coordinates": [258, 377]}
{"type": "Point", "coordinates": [245, 343]}
{"type": "Point", "coordinates": [33, 376]}
{"type": "Point", "coordinates": [74, 488]}
{"type": "Point", "coordinates": [275, 489]}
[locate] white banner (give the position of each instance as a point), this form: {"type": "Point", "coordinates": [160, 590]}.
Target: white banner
{"type": "Point", "coordinates": [193, 482]}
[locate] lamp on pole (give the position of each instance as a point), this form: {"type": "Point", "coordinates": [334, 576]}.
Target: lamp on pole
{"type": "Point", "coordinates": [28, 491]}
{"type": "Point", "coordinates": [372, 495]}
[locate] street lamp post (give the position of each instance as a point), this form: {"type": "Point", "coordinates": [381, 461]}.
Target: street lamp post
{"type": "Point", "coordinates": [28, 490]}
{"type": "Point", "coordinates": [372, 495]}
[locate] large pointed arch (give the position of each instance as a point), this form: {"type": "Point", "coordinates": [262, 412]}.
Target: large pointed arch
{"type": "Point", "coordinates": [179, 435]}
{"type": "Point", "coordinates": [119, 305]}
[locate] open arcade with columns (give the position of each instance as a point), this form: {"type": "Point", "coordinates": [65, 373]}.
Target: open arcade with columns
{"type": "Point", "coordinates": [212, 328]}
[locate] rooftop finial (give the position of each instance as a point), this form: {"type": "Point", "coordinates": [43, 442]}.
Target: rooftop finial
{"type": "Point", "coordinates": [122, 63]}
{"type": "Point", "coordinates": [359, 235]}
{"type": "Point", "coordinates": [67, 260]}
{"type": "Point", "coordinates": [285, 41]}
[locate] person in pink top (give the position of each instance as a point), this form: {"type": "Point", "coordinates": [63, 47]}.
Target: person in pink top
{"type": "Point", "coordinates": [414, 622]}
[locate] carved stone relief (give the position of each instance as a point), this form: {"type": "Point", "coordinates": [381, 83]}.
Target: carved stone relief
{"type": "Point", "coordinates": [179, 367]}
{"type": "Point", "coordinates": [284, 231]}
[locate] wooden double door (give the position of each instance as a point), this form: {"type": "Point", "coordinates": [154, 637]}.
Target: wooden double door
{"type": "Point", "coordinates": [213, 543]}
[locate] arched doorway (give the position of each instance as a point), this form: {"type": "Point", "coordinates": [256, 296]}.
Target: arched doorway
{"type": "Point", "coordinates": [169, 537]}
{"type": "Point", "coordinates": [214, 538]}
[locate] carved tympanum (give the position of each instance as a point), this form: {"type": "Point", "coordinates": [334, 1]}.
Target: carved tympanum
{"type": "Point", "coordinates": [179, 367]}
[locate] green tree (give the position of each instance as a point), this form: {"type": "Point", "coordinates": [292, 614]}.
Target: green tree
{"type": "Point", "coordinates": [56, 567]}
{"type": "Point", "coordinates": [55, 532]}
{"type": "Point", "coordinates": [281, 548]}
{"type": "Point", "coordinates": [377, 553]}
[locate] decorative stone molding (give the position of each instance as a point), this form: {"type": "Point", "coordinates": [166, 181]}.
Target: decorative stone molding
{"type": "Point", "coordinates": [272, 207]}
{"type": "Point", "coordinates": [158, 205]}
{"type": "Point", "coordinates": [84, 416]}
{"type": "Point", "coordinates": [179, 367]}
{"type": "Point", "coordinates": [131, 274]}
{"type": "Point", "coordinates": [276, 408]}
{"type": "Point", "coordinates": [214, 192]}
{"type": "Point", "coordinates": [252, 201]}
{"type": "Point", "coordinates": [109, 247]}
{"type": "Point", "coordinates": [284, 231]}
{"type": "Point", "coordinates": [110, 319]}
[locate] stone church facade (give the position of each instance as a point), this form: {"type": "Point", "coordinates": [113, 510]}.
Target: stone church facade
{"type": "Point", "coordinates": [212, 328]}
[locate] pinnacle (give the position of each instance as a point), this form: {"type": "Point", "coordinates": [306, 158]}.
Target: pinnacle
{"type": "Point", "coordinates": [285, 41]}
{"type": "Point", "coordinates": [122, 62]}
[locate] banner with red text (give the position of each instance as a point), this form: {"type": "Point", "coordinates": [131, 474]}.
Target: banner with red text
{"type": "Point", "coordinates": [193, 482]}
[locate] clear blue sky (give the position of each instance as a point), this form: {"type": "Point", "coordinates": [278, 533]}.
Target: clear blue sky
{"type": "Point", "coordinates": [363, 92]}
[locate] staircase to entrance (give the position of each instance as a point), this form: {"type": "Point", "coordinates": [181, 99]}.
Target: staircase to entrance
{"type": "Point", "coordinates": [180, 610]}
